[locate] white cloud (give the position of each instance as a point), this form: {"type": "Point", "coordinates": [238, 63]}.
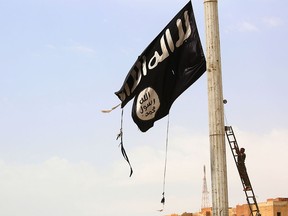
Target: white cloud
{"type": "Point", "coordinates": [58, 187]}
{"type": "Point", "coordinates": [55, 187]}
{"type": "Point", "coordinates": [266, 162]}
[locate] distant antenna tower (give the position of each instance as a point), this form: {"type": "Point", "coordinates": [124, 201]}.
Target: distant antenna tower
{"type": "Point", "coordinates": [205, 193]}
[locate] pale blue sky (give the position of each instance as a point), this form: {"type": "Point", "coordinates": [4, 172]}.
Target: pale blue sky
{"type": "Point", "coordinates": [61, 62]}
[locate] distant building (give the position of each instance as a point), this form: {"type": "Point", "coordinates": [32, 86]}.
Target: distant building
{"type": "Point", "coordinates": [203, 212]}
{"type": "Point", "coordinates": [272, 207]}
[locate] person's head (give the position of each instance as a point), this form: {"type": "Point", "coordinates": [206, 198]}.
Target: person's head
{"type": "Point", "coordinates": [242, 150]}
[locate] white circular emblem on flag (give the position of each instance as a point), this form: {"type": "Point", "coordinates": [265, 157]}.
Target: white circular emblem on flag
{"type": "Point", "coordinates": [147, 104]}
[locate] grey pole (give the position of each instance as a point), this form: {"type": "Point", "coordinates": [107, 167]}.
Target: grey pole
{"type": "Point", "coordinates": [216, 111]}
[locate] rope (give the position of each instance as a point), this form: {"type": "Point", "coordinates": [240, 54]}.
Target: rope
{"type": "Point", "coordinates": [165, 165]}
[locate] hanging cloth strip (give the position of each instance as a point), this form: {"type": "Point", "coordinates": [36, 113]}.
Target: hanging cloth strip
{"type": "Point", "coordinates": [120, 135]}
{"type": "Point", "coordinates": [110, 110]}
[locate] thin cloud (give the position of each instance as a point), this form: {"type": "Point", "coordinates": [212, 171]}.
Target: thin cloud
{"type": "Point", "coordinates": [273, 21]}
{"type": "Point", "coordinates": [82, 49]}
{"type": "Point", "coordinates": [78, 48]}
{"type": "Point", "coordinates": [244, 26]}
{"type": "Point", "coordinates": [247, 27]}
{"type": "Point", "coordinates": [50, 46]}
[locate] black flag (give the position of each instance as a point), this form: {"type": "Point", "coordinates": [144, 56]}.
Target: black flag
{"type": "Point", "coordinates": [172, 62]}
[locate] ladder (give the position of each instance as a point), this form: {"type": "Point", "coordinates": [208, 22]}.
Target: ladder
{"type": "Point", "coordinates": [250, 196]}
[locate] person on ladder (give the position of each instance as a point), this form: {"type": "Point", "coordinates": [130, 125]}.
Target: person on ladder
{"type": "Point", "coordinates": [241, 156]}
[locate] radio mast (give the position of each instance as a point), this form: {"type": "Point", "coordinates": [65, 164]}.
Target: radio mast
{"type": "Point", "coordinates": [205, 193]}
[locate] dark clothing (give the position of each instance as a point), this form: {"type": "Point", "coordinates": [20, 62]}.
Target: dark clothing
{"type": "Point", "coordinates": [242, 168]}
{"type": "Point", "coordinates": [241, 158]}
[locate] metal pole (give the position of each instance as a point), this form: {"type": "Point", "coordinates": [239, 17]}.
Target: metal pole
{"type": "Point", "coordinates": [216, 111]}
